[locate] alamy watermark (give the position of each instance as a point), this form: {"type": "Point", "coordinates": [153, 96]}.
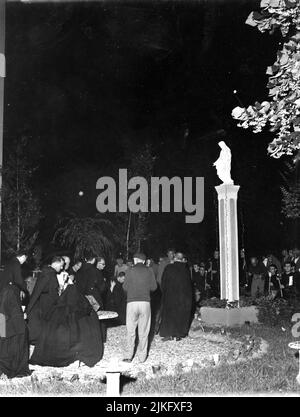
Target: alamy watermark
{"type": "Point", "coordinates": [153, 197]}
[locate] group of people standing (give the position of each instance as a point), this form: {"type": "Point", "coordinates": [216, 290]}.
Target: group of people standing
{"type": "Point", "coordinates": [258, 276]}
{"type": "Point", "coordinates": [57, 322]}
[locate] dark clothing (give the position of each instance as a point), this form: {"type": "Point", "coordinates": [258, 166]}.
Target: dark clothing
{"type": "Point", "coordinates": [160, 269]}
{"type": "Point", "coordinates": [276, 262]}
{"type": "Point", "coordinates": [14, 347]}
{"type": "Point", "coordinates": [243, 278]}
{"type": "Point", "coordinates": [12, 273]}
{"type": "Point", "coordinates": [292, 278]}
{"type": "Point", "coordinates": [177, 298]}
{"type": "Point", "coordinates": [213, 277]}
{"type": "Point", "coordinates": [271, 283]}
{"type": "Point", "coordinates": [198, 281]}
{"type": "Point", "coordinates": [90, 281]}
{"type": "Point", "coordinates": [116, 301]}
{"type": "Point", "coordinates": [43, 298]}
{"type": "Point", "coordinates": [296, 263]}
{"type": "Point", "coordinates": [255, 271]}
{"type": "Point", "coordinates": [70, 332]}
{"type": "Point", "coordinates": [139, 282]}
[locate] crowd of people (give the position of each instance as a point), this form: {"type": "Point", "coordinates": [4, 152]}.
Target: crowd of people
{"type": "Point", "coordinates": [57, 321]}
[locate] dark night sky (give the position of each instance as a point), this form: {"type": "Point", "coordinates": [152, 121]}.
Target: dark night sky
{"type": "Point", "coordinates": [86, 82]}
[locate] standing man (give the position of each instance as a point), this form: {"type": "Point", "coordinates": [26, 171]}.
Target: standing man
{"type": "Point", "coordinates": [14, 345]}
{"type": "Point", "coordinates": [177, 298]}
{"type": "Point", "coordinates": [120, 267]}
{"type": "Point", "coordinates": [12, 274]}
{"type": "Point", "coordinates": [163, 263]}
{"type": "Point", "coordinates": [44, 296]}
{"type": "Point", "coordinates": [290, 280]}
{"type": "Point", "coordinates": [213, 274]}
{"type": "Point", "coordinates": [138, 284]}
{"type": "Point", "coordinates": [257, 273]}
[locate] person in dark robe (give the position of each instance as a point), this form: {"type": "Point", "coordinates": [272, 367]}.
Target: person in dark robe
{"type": "Point", "coordinates": [213, 275]}
{"type": "Point", "coordinates": [70, 332]}
{"type": "Point", "coordinates": [177, 299]}
{"type": "Point", "coordinates": [64, 327]}
{"type": "Point", "coordinates": [90, 282]}
{"type": "Point", "coordinates": [14, 345]}
{"type": "Point", "coordinates": [44, 296]}
{"type": "Point", "coordinates": [163, 262]}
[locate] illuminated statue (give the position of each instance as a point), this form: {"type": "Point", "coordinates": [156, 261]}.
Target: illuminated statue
{"type": "Point", "coordinates": [223, 164]}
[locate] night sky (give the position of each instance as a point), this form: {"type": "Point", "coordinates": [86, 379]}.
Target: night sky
{"type": "Point", "coordinates": [89, 83]}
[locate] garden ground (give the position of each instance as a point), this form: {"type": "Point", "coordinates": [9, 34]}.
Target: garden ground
{"type": "Point", "coordinates": [250, 360]}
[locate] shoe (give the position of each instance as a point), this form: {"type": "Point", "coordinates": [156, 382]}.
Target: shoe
{"type": "Point", "coordinates": [177, 338]}
{"type": "Point", "coordinates": [127, 360]}
{"type": "Point", "coordinates": [140, 361]}
{"type": "Point", "coordinates": [166, 339]}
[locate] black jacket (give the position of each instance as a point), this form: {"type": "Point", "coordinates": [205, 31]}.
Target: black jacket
{"type": "Point", "coordinates": [12, 274]}
{"type": "Point", "coordinates": [90, 281]}
{"type": "Point", "coordinates": [43, 298]}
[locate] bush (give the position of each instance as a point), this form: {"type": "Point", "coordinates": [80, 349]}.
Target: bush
{"type": "Point", "coordinates": [271, 312]}
{"type": "Point", "coordinates": [278, 311]}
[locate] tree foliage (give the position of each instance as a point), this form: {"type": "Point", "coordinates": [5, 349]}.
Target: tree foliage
{"type": "Point", "coordinates": [21, 209]}
{"type": "Point", "coordinates": [86, 235]}
{"type": "Point", "coordinates": [281, 112]}
{"type": "Point", "coordinates": [291, 193]}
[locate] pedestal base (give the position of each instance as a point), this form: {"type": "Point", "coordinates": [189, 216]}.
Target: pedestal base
{"type": "Point", "coordinates": [229, 317]}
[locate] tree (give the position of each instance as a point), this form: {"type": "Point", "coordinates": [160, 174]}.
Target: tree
{"type": "Point", "coordinates": [282, 112]}
{"type": "Point", "coordinates": [21, 209]}
{"type": "Point", "coordinates": [291, 194]}
{"type": "Point", "coordinates": [86, 235]}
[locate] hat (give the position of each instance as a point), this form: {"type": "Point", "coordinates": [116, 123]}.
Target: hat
{"type": "Point", "coordinates": [140, 255]}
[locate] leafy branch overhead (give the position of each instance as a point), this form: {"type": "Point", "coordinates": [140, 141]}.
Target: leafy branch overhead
{"type": "Point", "coordinates": [281, 112]}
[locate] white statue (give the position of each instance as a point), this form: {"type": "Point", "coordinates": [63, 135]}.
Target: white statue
{"type": "Point", "coordinates": [223, 164]}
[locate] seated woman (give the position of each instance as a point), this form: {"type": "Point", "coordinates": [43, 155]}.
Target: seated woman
{"type": "Point", "coordinates": [64, 328]}
{"type": "Point", "coordinates": [14, 347]}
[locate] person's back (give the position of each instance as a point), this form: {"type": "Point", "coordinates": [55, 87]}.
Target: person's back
{"type": "Point", "coordinates": [139, 282]}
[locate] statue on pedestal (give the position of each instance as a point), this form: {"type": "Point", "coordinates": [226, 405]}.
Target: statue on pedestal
{"type": "Point", "coordinates": [223, 164]}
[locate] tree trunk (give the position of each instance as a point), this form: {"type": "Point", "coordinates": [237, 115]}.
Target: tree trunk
{"type": "Point", "coordinates": [18, 211]}
{"type": "Point", "coordinates": [128, 235]}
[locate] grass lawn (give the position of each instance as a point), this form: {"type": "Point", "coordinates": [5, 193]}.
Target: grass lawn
{"type": "Point", "coordinates": [274, 373]}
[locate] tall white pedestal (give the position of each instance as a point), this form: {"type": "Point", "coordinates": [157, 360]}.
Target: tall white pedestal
{"type": "Point", "coordinates": [228, 241]}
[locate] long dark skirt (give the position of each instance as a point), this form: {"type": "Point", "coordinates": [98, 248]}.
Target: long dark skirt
{"type": "Point", "coordinates": [70, 332]}
{"type": "Point", "coordinates": [14, 355]}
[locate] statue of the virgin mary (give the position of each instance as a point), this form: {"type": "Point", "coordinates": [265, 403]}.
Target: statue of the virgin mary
{"type": "Point", "coordinates": [223, 164]}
